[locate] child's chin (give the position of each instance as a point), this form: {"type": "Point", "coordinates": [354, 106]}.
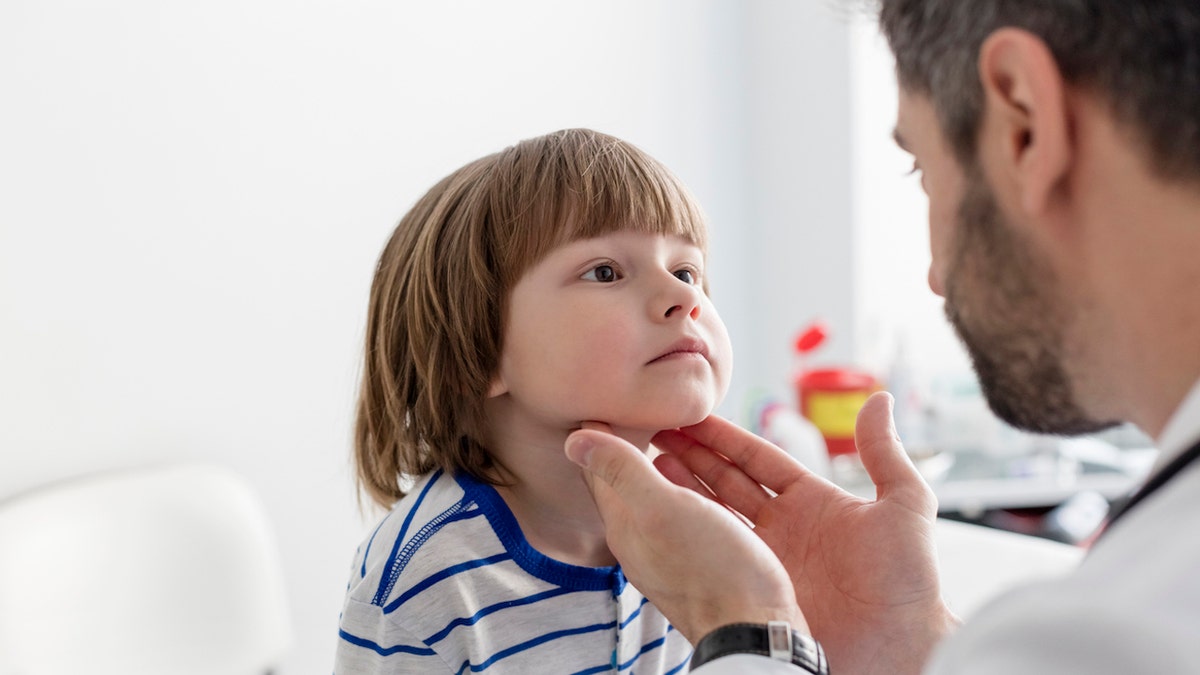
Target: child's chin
{"type": "Point", "coordinates": [681, 412]}
{"type": "Point", "coordinates": [685, 417]}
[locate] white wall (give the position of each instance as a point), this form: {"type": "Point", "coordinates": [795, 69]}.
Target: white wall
{"type": "Point", "coordinates": [892, 300]}
{"type": "Point", "coordinates": [797, 224]}
{"type": "Point", "coordinates": [192, 196]}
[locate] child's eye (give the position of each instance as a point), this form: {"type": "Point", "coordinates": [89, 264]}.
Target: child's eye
{"type": "Point", "coordinates": [687, 276]}
{"type": "Point", "coordinates": [603, 273]}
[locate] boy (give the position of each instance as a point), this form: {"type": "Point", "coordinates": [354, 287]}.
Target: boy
{"type": "Point", "coordinates": [568, 258]}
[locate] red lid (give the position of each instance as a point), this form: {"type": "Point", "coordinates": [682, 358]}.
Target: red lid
{"type": "Point", "coordinates": [836, 379]}
{"type": "Point", "coordinates": [811, 337]}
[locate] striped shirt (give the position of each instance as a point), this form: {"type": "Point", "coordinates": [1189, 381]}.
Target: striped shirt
{"type": "Point", "coordinates": [447, 583]}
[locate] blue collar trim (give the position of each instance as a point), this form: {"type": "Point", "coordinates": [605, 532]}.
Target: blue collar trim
{"type": "Point", "coordinates": [504, 524]}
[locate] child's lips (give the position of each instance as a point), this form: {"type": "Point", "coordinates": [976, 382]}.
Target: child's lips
{"type": "Point", "coordinates": [684, 348]}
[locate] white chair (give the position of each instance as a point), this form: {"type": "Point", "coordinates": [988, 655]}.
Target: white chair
{"type": "Point", "coordinates": [156, 571]}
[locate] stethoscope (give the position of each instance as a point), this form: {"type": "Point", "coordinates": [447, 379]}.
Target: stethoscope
{"type": "Point", "coordinates": [1156, 482]}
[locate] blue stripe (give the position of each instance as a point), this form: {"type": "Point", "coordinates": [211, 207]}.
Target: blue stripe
{"type": "Point", "coordinates": [385, 583]}
{"type": "Point", "coordinates": [444, 574]}
{"type": "Point", "coordinates": [529, 644]}
{"type": "Point", "coordinates": [459, 511]}
{"type": "Point", "coordinates": [384, 651]}
{"type": "Point", "coordinates": [681, 666]}
{"type": "Point", "coordinates": [470, 621]}
{"type": "Point", "coordinates": [620, 582]}
{"type": "Point", "coordinates": [648, 647]}
{"type": "Point", "coordinates": [370, 541]}
{"type": "Point", "coordinates": [637, 611]}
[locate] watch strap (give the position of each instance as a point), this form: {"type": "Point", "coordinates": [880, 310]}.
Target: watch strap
{"type": "Point", "coordinates": [775, 640]}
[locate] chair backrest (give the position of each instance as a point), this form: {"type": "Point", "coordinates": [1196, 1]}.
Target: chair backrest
{"type": "Point", "coordinates": [168, 570]}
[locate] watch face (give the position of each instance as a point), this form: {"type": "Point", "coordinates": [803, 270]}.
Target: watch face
{"type": "Point", "coordinates": [779, 640]}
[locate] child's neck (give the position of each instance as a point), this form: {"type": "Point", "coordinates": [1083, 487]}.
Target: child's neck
{"type": "Point", "coordinates": [550, 501]}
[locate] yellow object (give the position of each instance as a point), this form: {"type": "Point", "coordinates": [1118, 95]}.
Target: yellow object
{"type": "Point", "coordinates": [835, 412]}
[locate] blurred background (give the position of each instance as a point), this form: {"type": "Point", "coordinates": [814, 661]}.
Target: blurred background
{"type": "Point", "coordinates": [193, 197]}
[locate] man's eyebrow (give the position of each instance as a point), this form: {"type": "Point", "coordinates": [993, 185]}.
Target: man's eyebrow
{"type": "Point", "coordinates": [896, 136]}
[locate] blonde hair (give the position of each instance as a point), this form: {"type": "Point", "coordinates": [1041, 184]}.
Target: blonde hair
{"type": "Point", "coordinates": [435, 325]}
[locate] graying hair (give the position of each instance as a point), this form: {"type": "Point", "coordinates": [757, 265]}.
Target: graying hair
{"type": "Point", "coordinates": [1141, 56]}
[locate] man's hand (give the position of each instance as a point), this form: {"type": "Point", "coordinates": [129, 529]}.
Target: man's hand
{"type": "Point", "coordinates": [865, 572]}
{"type": "Point", "coordinates": [697, 562]}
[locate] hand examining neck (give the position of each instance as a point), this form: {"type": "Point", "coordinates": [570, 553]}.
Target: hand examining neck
{"type": "Point", "coordinates": [698, 563]}
{"type": "Point", "coordinates": [550, 501]}
{"type": "Point", "coordinates": [863, 571]}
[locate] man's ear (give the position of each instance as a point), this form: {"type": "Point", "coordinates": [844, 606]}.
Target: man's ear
{"type": "Point", "coordinates": [1026, 114]}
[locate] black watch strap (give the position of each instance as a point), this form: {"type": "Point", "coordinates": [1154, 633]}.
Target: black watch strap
{"type": "Point", "coordinates": [776, 640]}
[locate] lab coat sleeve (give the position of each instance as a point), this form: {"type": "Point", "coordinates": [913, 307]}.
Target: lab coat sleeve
{"type": "Point", "coordinates": [1057, 629]}
{"type": "Point", "coordinates": [747, 664]}
{"type": "Point", "coordinates": [1132, 605]}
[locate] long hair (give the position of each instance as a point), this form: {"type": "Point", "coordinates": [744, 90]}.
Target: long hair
{"type": "Point", "coordinates": [435, 324]}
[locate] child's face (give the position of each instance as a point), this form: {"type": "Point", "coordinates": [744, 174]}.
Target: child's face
{"type": "Point", "coordinates": [615, 329]}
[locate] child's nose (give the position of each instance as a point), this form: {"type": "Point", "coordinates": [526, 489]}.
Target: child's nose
{"type": "Point", "coordinates": [695, 311]}
{"type": "Point", "coordinates": [682, 299]}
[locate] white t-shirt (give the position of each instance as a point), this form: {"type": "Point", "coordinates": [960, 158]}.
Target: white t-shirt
{"type": "Point", "coordinates": [448, 584]}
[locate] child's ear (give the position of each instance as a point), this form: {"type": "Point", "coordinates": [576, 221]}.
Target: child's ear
{"type": "Point", "coordinates": [497, 388]}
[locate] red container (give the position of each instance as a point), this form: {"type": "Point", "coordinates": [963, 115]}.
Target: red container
{"type": "Point", "coordinates": [830, 398]}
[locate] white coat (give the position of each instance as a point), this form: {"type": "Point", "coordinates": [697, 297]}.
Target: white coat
{"type": "Point", "coordinates": [1132, 606]}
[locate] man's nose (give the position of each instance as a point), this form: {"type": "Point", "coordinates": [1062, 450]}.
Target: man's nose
{"type": "Point", "coordinates": [935, 284]}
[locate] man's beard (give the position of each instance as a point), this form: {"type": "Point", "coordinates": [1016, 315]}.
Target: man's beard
{"type": "Point", "coordinates": [1002, 299]}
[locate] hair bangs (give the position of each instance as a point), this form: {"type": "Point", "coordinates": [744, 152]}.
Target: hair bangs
{"type": "Point", "coordinates": [625, 190]}
{"type": "Point", "coordinates": [588, 184]}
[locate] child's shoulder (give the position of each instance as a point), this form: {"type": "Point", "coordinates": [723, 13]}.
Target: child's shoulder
{"type": "Point", "coordinates": [436, 522]}
{"type": "Point", "coordinates": [431, 495]}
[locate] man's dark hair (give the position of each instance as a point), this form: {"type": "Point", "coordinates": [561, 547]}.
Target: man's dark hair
{"type": "Point", "coordinates": [1142, 56]}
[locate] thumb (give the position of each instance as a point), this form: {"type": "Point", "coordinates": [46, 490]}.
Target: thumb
{"type": "Point", "coordinates": [608, 459]}
{"type": "Point", "coordinates": [884, 458]}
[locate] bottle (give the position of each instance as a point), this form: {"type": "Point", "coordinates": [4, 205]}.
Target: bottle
{"type": "Point", "coordinates": [830, 398]}
{"type": "Point", "coordinates": [798, 437]}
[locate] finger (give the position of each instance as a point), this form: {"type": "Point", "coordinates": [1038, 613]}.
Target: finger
{"type": "Point", "coordinates": [884, 458]}
{"type": "Point", "coordinates": [612, 462]}
{"type": "Point", "coordinates": [763, 462]}
{"type": "Point", "coordinates": [727, 482]}
{"type": "Point", "coordinates": [677, 472]}
{"type": "Point", "coordinates": [596, 426]}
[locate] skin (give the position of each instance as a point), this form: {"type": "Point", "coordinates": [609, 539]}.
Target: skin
{"type": "Point", "coordinates": [1017, 327]}
{"type": "Point", "coordinates": [1113, 247]}
{"type": "Point", "coordinates": [660, 531]}
{"type": "Point", "coordinates": [627, 315]}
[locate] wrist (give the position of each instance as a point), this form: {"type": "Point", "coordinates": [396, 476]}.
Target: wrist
{"type": "Point", "coordinates": [909, 651]}
{"type": "Point", "coordinates": [775, 639]}
{"type": "Point", "coordinates": [701, 626]}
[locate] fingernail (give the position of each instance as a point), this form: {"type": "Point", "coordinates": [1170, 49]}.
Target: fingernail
{"type": "Point", "coordinates": [579, 449]}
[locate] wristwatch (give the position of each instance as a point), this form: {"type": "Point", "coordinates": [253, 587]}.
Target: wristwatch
{"type": "Point", "coordinates": [775, 639]}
